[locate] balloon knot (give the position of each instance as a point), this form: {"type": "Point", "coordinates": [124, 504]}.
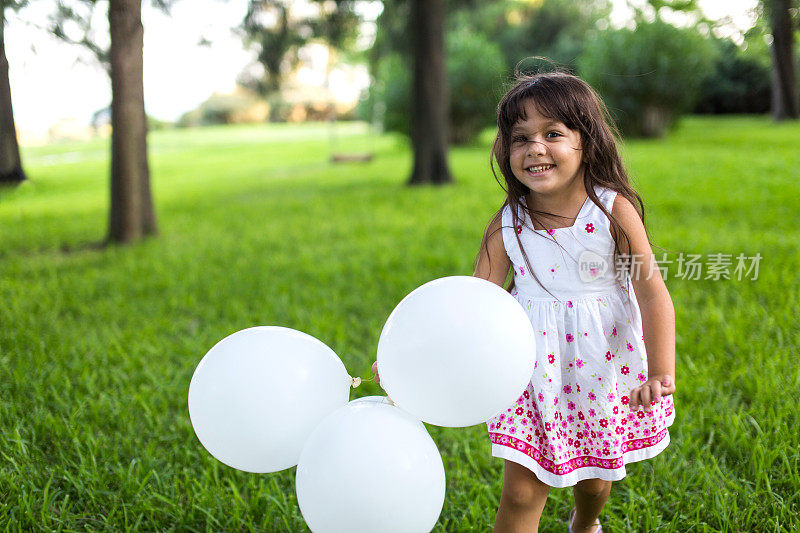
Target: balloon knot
{"type": "Point", "coordinates": [355, 382]}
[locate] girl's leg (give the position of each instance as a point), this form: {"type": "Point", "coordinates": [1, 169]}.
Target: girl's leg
{"type": "Point", "coordinates": [590, 497]}
{"type": "Point", "coordinates": [522, 500]}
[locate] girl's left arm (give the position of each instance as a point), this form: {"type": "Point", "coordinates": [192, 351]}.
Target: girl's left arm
{"type": "Point", "coordinates": [655, 304]}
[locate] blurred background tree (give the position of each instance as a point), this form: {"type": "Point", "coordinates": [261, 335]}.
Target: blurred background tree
{"type": "Point", "coordinates": [737, 83]}
{"type": "Point", "coordinates": [10, 161]}
{"type": "Point", "coordinates": [497, 34]}
{"type": "Point", "coordinates": [277, 34]}
{"type": "Point", "coordinates": [268, 28]}
{"type": "Point", "coordinates": [555, 29]}
{"type": "Point", "coordinates": [649, 76]}
{"type": "Point", "coordinates": [473, 91]}
{"type": "Point", "coordinates": [652, 74]}
{"type": "Point", "coordinates": [429, 93]}
{"type": "Point", "coordinates": [131, 212]}
{"type": "Point", "coordinates": [783, 20]}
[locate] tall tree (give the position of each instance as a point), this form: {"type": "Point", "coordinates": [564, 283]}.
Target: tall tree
{"type": "Point", "coordinates": [785, 104]}
{"type": "Point", "coordinates": [10, 161]}
{"type": "Point", "coordinates": [131, 215]}
{"type": "Point", "coordinates": [429, 98]}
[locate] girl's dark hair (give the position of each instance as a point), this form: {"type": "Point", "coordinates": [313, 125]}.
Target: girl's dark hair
{"type": "Point", "coordinates": [570, 100]}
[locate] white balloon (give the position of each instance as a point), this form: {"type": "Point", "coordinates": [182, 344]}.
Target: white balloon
{"type": "Point", "coordinates": [371, 399]}
{"type": "Point", "coordinates": [370, 467]}
{"type": "Point", "coordinates": [258, 394]}
{"type": "Point", "coordinates": [456, 351]}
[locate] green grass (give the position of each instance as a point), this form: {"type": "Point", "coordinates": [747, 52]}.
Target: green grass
{"type": "Point", "coordinates": [97, 346]}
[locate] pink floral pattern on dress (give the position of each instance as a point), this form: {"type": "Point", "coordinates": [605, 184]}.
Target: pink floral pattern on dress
{"type": "Point", "coordinates": [599, 441]}
{"type": "Point", "coordinates": [574, 417]}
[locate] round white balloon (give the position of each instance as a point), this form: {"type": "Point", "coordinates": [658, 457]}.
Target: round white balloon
{"type": "Point", "coordinates": [369, 467]}
{"type": "Point", "coordinates": [258, 394]}
{"type": "Point", "coordinates": [371, 399]}
{"type": "Point", "coordinates": [456, 351]}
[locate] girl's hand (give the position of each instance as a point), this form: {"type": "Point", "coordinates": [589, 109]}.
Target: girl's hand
{"type": "Point", "coordinates": [651, 390]}
{"type": "Point", "coordinates": [375, 372]}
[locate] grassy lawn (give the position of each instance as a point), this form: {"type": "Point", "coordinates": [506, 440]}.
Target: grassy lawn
{"type": "Point", "coordinates": [97, 346]}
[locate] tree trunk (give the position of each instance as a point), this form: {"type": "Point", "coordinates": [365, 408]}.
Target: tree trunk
{"type": "Point", "coordinates": [428, 93]}
{"type": "Point", "coordinates": [132, 215]}
{"type": "Point", "coordinates": [785, 104]}
{"type": "Point", "coordinates": [10, 163]}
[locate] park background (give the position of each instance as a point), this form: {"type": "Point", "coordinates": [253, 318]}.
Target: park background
{"type": "Point", "coordinates": [283, 203]}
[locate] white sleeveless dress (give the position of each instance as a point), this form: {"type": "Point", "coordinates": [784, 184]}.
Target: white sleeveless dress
{"type": "Point", "coordinates": [573, 421]}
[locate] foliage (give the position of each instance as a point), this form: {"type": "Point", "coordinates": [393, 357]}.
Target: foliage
{"type": "Point", "coordinates": [497, 34]}
{"type": "Point", "coordinates": [649, 76]}
{"type": "Point", "coordinates": [98, 345]}
{"type": "Point", "coordinates": [765, 8]}
{"type": "Point", "coordinates": [472, 91]}
{"type": "Point", "coordinates": [71, 22]}
{"type": "Point", "coordinates": [391, 33]}
{"type": "Point", "coordinates": [738, 83]}
{"type": "Point", "coordinates": [15, 5]}
{"type": "Point", "coordinates": [554, 29]}
{"type": "Point", "coordinates": [390, 95]}
{"type": "Point", "coordinates": [551, 28]}
{"type": "Point", "coordinates": [268, 27]}
{"type": "Point", "coordinates": [278, 34]}
{"type": "Point", "coordinates": [650, 10]}
{"type": "Point", "coordinates": [473, 88]}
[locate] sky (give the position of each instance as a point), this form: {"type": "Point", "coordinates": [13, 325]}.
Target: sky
{"type": "Point", "coordinates": [52, 81]}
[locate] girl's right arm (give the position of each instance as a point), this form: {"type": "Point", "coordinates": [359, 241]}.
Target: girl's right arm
{"type": "Point", "coordinates": [493, 262]}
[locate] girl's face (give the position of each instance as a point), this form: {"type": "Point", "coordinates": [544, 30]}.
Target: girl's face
{"type": "Point", "coordinates": [545, 155]}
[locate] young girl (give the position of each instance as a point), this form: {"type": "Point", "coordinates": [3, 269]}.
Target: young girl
{"type": "Point", "coordinates": [600, 395]}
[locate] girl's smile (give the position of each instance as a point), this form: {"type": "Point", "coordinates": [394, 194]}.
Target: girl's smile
{"type": "Point", "coordinates": [539, 169]}
{"type": "Point", "coordinates": [546, 156]}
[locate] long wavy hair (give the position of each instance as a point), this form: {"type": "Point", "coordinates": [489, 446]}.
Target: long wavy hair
{"type": "Point", "coordinates": [570, 100]}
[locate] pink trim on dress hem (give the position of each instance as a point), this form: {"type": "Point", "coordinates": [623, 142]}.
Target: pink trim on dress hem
{"type": "Point", "coordinates": [576, 462]}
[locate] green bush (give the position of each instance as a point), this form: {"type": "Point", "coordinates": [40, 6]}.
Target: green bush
{"type": "Point", "coordinates": [737, 84]}
{"type": "Point", "coordinates": [475, 69]}
{"type": "Point", "coordinates": [555, 29]}
{"type": "Point", "coordinates": [390, 96]}
{"type": "Point", "coordinates": [241, 106]}
{"type": "Point", "coordinates": [649, 76]}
